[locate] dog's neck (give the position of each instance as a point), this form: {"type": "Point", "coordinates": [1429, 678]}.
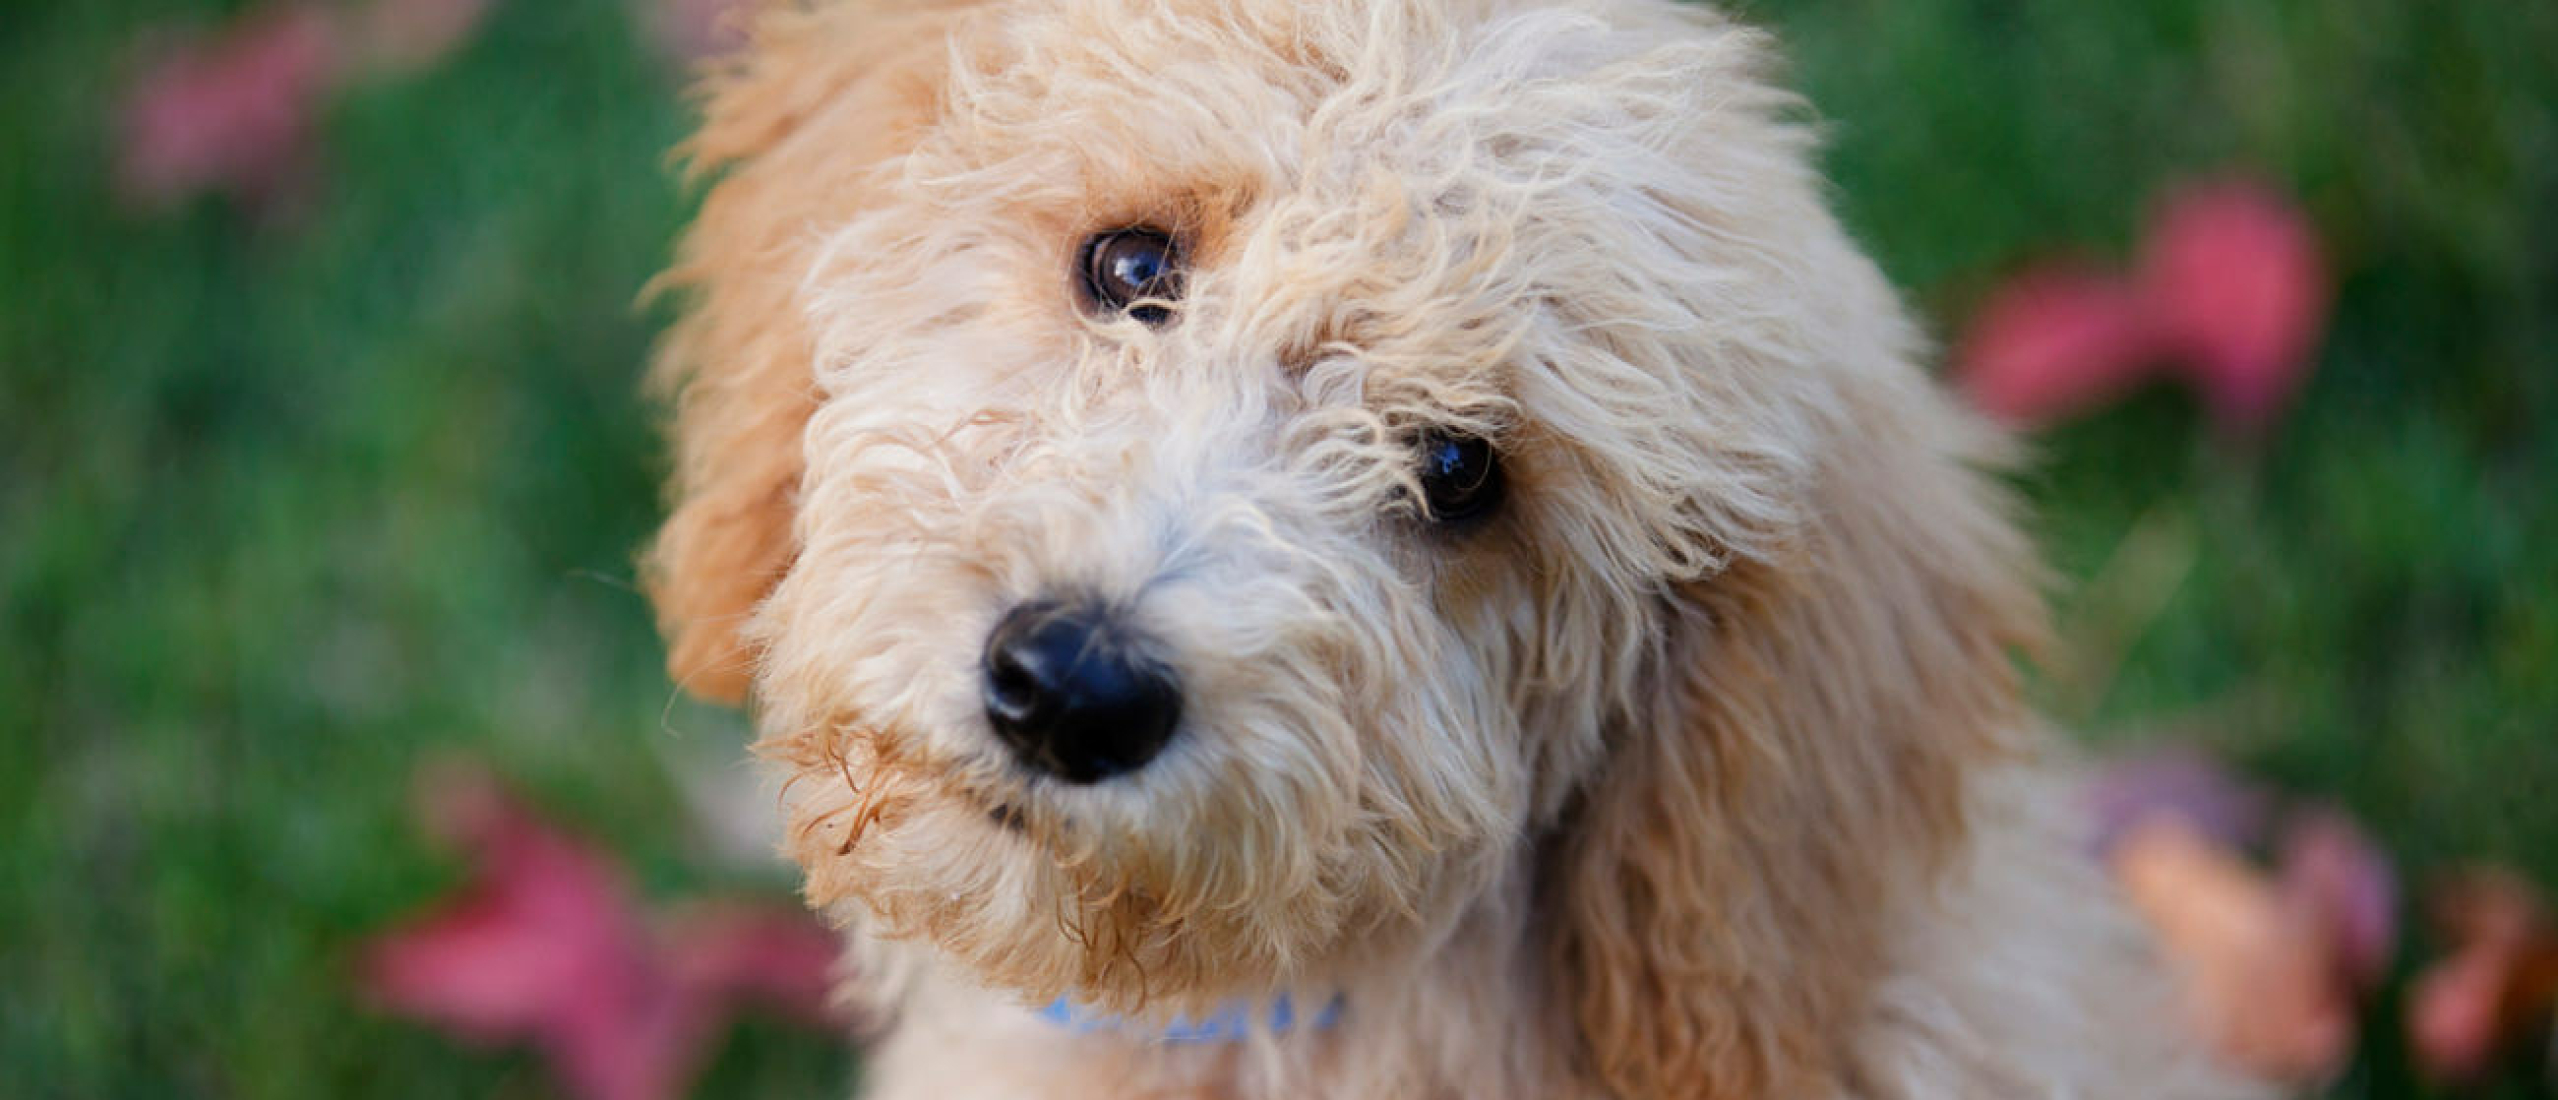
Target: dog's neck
{"type": "Point", "coordinates": [1474, 1012]}
{"type": "Point", "coordinates": [1470, 1013]}
{"type": "Point", "coordinates": [1234, 1021]}
{"type": "Point", "coordinates": [1465, 1012]}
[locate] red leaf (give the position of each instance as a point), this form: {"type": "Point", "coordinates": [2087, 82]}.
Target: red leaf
{"type": "Point", "coordinates": [402, 36]}
{"type": "Point", "coordinates": [747, 954]}
{"type": "Point", "coordinates": [2497, 988]}
{"type": "Point", "coordinates": [2256, 968]}
{"type": "Point", "coordinates": [692, 30]}
{"type": "Point", "coordinates": [2052, 343]}
{"type": "Point", "coordinates": [2451, 1015]}
{"type": "Point", "coordinates": [2232, 277]}
{"type": "Point", "coordinates": [546, 947]}
{"type": "Point", "coordinates": [2331, 869]}
{"type": "Point", "coordinates": [2181, 781]}
{"type": "Point", "coordinates": [227, 113]}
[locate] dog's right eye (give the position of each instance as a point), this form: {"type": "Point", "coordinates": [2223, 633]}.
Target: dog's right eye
{"type": "Point", "coordinates": [1461, 480]}
{"type": "Point", "coordinates": [1135, 271]}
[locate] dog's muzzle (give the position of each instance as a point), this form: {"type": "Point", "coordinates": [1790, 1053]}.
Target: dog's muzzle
{"type": "Point", "coordinates": [1070, 687]}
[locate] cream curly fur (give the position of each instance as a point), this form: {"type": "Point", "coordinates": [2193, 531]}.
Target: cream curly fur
{"type": "Point", "coordinates": [1699, 772]}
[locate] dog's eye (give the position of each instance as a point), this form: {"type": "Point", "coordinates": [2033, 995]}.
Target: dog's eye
{"type": "Point", "coordinates": [1133, 271]}
{"type": "Point", "coordinates": [1460, 477]}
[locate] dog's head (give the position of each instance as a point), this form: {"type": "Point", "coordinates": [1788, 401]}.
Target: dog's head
{"type": "Point", "coordinates": [1202, 492]}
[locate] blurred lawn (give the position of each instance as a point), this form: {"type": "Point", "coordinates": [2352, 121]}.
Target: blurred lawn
{"type": "Point", "coordinates": [285, 508]}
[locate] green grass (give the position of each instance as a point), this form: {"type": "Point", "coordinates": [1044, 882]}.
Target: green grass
{"type": "Point", "coordinates": [2372, 611]}
{"type": "Point", "coordinates": [286, 508]}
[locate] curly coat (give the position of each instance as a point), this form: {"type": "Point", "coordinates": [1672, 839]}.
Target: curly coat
{"type": "Point", "coordinates": [1700, 771]}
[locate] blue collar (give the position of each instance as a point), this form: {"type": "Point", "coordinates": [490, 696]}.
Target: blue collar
{"type": "Point", "coordinates": [1230, 1023]}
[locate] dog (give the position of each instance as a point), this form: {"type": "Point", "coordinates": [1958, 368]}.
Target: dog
{"type": "Point", "coordinates": [1384, 549]}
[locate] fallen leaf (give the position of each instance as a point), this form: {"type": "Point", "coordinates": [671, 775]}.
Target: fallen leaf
{"type": "Point", "coordinates": [2498, 987]}
{"type": "Point", "coordinates": [2231, 293]}
{"type": "Point", "coordinates": [406, 36]}
{"type": "Point", "coordinates": [694, 30]}
{"type": "Point", "coordinates": [546, 947]}
{"type": "Point", "coordinates": [760, 955]}
{"type": "Point", "coordinates": [2330, 868]}
{"type": "Point", "coordinates": [2233, 278]}
{"type": "Point", "coordinates": [231, 112]}
{"type": "Point", "coordinates": [2052, 343]}
{"type": "Point", "coordinates": [2274, 962]}
{"type": "Point", "coordinates": [2256, 966]}
{"type": "Point", "coordinates": [2180, 782]}
{"type": "Point", "coordinates": [234, 111]}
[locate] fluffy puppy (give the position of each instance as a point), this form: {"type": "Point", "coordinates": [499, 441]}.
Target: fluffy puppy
{"type": "Point", "coordinates": [1410, 510]}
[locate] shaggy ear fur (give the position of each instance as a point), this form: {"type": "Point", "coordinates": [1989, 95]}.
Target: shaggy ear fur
{"type": "Point", "coordinates": [800, 127]}
{"type": "Point", "coordinates": [1723, 887]}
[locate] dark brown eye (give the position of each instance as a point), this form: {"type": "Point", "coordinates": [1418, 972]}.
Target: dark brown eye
{"type": "Point", "coordinates": [1132, 271]}
{"type": "Point", "coordinates": [1460, 478]}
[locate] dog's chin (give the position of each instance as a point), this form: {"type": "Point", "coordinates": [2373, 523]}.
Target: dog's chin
{"type": "Point", "coordinates": [1026, 901]}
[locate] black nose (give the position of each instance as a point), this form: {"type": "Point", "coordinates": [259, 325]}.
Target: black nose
{"type": "Point", "coordinates": [1070, 688]}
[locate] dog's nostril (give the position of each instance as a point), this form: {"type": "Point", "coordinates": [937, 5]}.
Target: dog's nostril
{"type": "Point", "coordinates": [1072, 690]}
{"type": "Point", "coordinates": [1012, 689]}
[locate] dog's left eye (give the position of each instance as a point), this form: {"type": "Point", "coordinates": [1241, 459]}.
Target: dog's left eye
{"type": "Point", "coordinates": [1460, 477]}
{"type": "Point", "coordinates": [1134, 271]}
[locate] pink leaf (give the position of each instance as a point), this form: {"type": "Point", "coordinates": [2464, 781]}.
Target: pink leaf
{"type": "Point", "coordinates": [2256, 968]}
{"type": "Point", "coordinates": [2451, 1015]}
{"type": "Point", "coordinates": [2178, 781]}
{"type": "Point", "coordinates": [2331, 869]}
{"type": "Point", "coordinates": [2232, 277]}
{"type": "Point", "coordinates": [229, 113]}
{"type": "Point", "coordinates": [740, 954]}
{"type": "Point", "coordinates": [400, 36]}
{"type": "Point", "coordinates": [692, 30]}
{"type": "Point", "coordinates": [2052, 343]}
{"type": "Point", "coordinates": [543, 947]}
{"type": "Point", "coordinates": [546, 947]}
{"type": "Point", "coordinates": [2498, 986]}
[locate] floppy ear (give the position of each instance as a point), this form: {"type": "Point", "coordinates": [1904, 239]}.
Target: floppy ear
{"type": "Point", "coordinates": [799, 128]}
{"type": "Point", "coordinates": [1720, 891]}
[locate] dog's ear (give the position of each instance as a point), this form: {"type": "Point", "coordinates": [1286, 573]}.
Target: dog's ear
{"type": "Point", "coordinates": [1718, 891]}
{"type": "Point", "coordinates": [798, 129]}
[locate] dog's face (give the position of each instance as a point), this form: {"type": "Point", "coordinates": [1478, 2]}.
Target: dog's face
{"type": "Point", "coordinates": [1258, 459]}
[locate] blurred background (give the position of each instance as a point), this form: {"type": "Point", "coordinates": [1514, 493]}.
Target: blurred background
{"type": "Point", "coordinates": [323, 460]}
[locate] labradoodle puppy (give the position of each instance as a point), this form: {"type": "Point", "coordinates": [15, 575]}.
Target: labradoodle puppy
{"type": "Point", "coordinates": [1383, 549]}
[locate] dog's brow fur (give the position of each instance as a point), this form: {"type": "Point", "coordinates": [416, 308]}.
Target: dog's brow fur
{"type": "Point", "coordinates": [1699, 771]}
